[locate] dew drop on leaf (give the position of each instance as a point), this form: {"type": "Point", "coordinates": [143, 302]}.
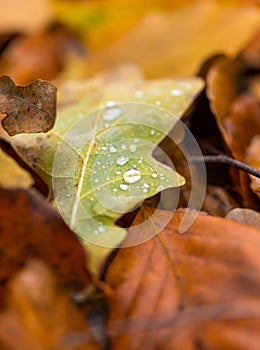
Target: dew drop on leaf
{"type": "Point", "coordinates": [132, 175]}
{"type": "Point", "coordinates": [122, 160]}
{"type": "Point", "coordinates": [112, 113]}
{"type": "Point", "coordinates": [132, 148]}
{"type": "Point", "coordinates": [176, 92]}
{"type": "Point", "coordinates": [113, 149]}
{"type": "Point", "coordinates": [124, 187]}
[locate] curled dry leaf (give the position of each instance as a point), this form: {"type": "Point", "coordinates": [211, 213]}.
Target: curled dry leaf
{"type": "Point", "coordinates": [31, 228]}
{"type": "Point", "coordinates": [196, 290]}
{"type": "Point", "coordinates": [40, 315]}
{"type": "Point", "coordinates": [29, 109]}
{"type": "Point", "coordinates": [245, 216]}
{"type": "Point", "coordinates": [237, 115]}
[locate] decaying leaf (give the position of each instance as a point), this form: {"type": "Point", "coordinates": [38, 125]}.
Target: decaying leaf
{"type": "Point", "coordinates": [29, 109]}
{"type": "Point", "coordinates": [237, 115]}
{"type": "Point", "coordinates": [31, 228]}
{"type": "Point", "coordinates": [39, 315]}
{"type": "Point", "coordinates": [253, 159]}
{"type": "Point", "coordinates": [12, 175]}
{"type": "Point", "coordinates": [195, 290]}
{"type": "Point", "coordinates": [245, 216]}
{"type": "Point", "coordinates": [99, 161]}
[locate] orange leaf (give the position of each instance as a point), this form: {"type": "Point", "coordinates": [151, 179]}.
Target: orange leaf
{"type": "Point", "coordinates": [31, 228]}
{"type": "Point", "coordinates": [40, 315]}
{"type": "Point", "coordinates": [194, 290]}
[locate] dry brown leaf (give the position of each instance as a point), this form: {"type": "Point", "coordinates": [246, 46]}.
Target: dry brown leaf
{"type": "Point", "coordinates": [40, 315]}
{"type": "Point", "coordinates": [237, 116]}
{"type": "Point", "coordinates": [29, 109]}
{"type": "Point", "coordinates": [31, 228]}
{"type": "Point", "coordinates": [245, 216]}
{"type": "Point", "coordinates": [196, 290]}
{"type": "Point", "coordinates": [176, 42]}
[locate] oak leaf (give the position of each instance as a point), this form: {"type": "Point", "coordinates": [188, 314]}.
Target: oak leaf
{"type": "Point", "coordinates": [199, 289]}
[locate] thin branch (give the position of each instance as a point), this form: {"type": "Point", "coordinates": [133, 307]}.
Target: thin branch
{"type": "Point", "coordinates": [229, 161]}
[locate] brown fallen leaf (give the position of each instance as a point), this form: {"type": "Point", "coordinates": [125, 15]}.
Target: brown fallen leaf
{"type": "Point", "coordinates": [245, 216]}
{"type": "Point", "coordinates": [31, 228]}
{"type": "Point", "coordinates": [29, 109]}
{"type": "Point", "coordinates": [237, 116]}
{"type": "Point", "coordinates": [40, 315]}
{"type": "Point", "coordinates": [196, 290]}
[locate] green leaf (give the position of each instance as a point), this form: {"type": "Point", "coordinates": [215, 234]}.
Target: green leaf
{"type": "Point", "coordinates": [98, 161]}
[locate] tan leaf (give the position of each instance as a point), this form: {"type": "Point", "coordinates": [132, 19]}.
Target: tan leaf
{"type": "Point", "coordinates": [176, 42]}
{"type": "Point", "coordinates": [12, 175]}
{"type": "Point", "coordinates": [40, 315]}
{"type": "Point", "coordinates": [199, 289]}
{"type": "Point", "coordinates": [29, 109]}
{"type": "Point", "coordinates": [245, 216]}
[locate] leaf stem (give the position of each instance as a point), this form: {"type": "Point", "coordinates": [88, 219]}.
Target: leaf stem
{"type": "Point", "coordinates": [229, 161]}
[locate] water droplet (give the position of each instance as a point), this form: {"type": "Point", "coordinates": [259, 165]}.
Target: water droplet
{"type": "Point", "coordinates": [96, 180]}
{"type": "Point", "coordinates": [113, 149]}
{"type": "Point", "coordinates": [132, 175]}
{"type": "Point", "coordinates": [101, 229]}
{"type": "Point", "coordinates": [110, 103]}
{"type": "Point", "coordinates": [139, 93]}
{"type": "Point", "coordinates": [146, 185]}
{"type": "Point", "coordinates": [132, 148]}
{"type": "Point", "coordinates": [124, 187]}
{"type": "Point", "coordinates": [107, 178]}
{"type": "Point", "coordinates": [123, 147]}
{"type": "Point", "coordinates": [158, 103]}
{"type": "Point", "coordinates": [104, 148]}
{"type": "Point", "coordinates": [122, 160]}
{"type": "Point", "coordinates": [176, 92]}
{"type": "Point", "coordinates": [115, 190]}
{"type": "Point", "coordinates": [118, 172]}
{"type": "Point", "coordinates": [145, 190]}
{"type": "Point", "coordinates": [152, 132]}
{"type": "Point", "coordinates": [140, 161]}
{"type": "Point", "coordinates": [154, 175]}
{"type": "Point", "coordinates": [112, 113]}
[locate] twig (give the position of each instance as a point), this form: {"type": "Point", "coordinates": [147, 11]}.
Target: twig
{"type": "Point", "coordinates": [229, 161]}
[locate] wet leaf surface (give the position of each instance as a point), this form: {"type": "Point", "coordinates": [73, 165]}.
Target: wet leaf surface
{"type": "Point", "coordinates": [99, 162]}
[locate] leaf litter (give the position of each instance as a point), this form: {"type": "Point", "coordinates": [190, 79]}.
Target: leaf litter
{"type": "Point", "coordinates": [189, 291]}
